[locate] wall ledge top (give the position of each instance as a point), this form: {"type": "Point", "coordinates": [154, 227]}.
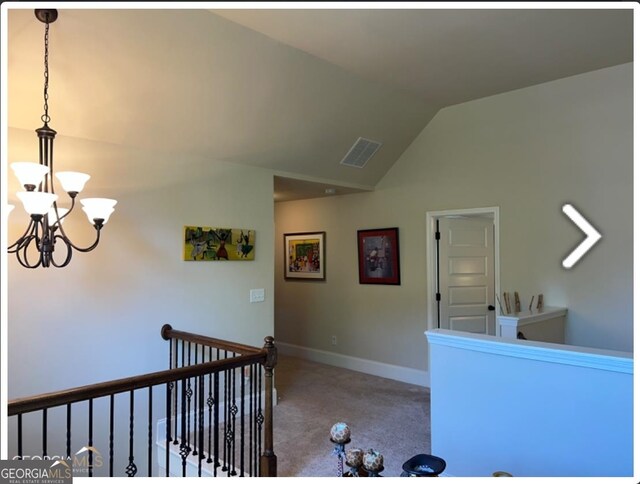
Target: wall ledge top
{"type": "Point", "coordinates": [601, 359]}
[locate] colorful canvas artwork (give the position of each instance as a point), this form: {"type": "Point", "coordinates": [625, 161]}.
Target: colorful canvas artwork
{"type": "Point", "coordinates": [208, 243]}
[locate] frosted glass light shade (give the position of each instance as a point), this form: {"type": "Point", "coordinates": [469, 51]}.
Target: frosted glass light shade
{"type": "Point", "coordinates": [29, 173]}
{"type": "Point", "coordinates": [98, 202]}
{"type": "Point", "coordinates": [52, 215]}
{"type": "Point", "coordinates": [98, 208]}
{"type": "Point", "coordinates": [37, 203]}
{"type": "Point", "coordinates": [72, 181]}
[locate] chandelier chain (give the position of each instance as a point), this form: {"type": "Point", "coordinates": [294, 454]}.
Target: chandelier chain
{"type": "Point", "coordinates": [45, 117]}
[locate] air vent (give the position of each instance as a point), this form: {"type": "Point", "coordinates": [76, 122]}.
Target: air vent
{"type": "Point", "coordinates": [361, 152]}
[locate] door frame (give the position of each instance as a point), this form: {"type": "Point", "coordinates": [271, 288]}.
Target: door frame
{"type": "Point", "coordinates": [493, 212]}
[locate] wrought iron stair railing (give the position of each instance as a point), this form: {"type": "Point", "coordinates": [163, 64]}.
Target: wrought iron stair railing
{"type": "Point", "coordinates": [216, 407]}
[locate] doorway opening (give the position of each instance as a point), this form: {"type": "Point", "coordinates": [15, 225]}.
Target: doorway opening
{"type": "Point", "coordinates": [463, 269]}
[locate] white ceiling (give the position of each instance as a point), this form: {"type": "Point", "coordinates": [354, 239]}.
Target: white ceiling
{"type": "Point", "coordinates": [291, 90]}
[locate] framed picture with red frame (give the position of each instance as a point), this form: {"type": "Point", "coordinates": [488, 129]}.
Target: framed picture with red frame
{"type": "Point", "coordinates": [379, 256]}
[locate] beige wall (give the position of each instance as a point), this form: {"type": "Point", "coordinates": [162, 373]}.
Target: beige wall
{"type": "Point", "coordinates": [526, 151]}
{"type": "Point", "coordinates": [100, 317]}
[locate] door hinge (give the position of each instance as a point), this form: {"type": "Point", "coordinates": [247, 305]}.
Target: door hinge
{"type": "Point", "coordinates": [438, 296]}
{"type": "Point", "coordinates": [438, 235]}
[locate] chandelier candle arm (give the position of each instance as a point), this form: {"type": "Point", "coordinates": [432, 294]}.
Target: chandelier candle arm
{"type": "Point", "coordinates": [57, 214]}
{"type": "Point", "coordinates": [45, 231]}
{"type": "Point", "coordinates": [63, 237]}
{"type": "Point", "coordinates": [13, 248]}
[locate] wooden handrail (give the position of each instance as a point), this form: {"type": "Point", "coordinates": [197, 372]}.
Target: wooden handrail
{"type": "Point", "coordinates": [97, 390]}
{"type": "Point", "coordinates": [248, 355]}
{"type": "Point", "coordinates": [168, 332]}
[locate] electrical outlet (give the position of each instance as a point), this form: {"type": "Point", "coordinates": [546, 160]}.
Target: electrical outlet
{"type": "Point", "coordinates": [334, 340]}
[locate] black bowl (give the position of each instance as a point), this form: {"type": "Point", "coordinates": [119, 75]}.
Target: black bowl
{"type": "Point", "coordinates": [423, 465]}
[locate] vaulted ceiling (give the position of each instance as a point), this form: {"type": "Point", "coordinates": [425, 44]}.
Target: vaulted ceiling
{"type": "Point", "coordinates": [291, 90]}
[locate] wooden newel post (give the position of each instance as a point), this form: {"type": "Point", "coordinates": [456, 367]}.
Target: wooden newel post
{"type": "Point", "coordinates": [268, 459]}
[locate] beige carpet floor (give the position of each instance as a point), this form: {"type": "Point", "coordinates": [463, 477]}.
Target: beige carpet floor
{"type": "Point", "coordinates": [385, 415]}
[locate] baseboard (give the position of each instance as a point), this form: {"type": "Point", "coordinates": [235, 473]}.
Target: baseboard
{"type": "Point", "coordinates": [384, 370]}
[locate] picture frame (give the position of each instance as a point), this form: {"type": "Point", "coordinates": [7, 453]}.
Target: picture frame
{"type": "Point", "coordinates": [379, 256]}
{"type": "Point", "coordinates": [304, 256]}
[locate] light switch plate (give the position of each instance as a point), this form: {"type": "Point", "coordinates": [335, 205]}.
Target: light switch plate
{"type": "Point", "coordinates": [256, 295]}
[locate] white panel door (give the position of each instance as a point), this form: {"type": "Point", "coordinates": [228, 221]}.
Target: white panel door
{"type": "Point", "coordinates": [466, 274]}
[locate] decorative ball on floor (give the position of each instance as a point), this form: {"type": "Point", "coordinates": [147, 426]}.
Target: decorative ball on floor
{"type": "Point", "coordinates": [372, 461]}
{"type": "Point", "coordinates": [353, 458]}
{"type": "Point", "coordinates": [340, 433]}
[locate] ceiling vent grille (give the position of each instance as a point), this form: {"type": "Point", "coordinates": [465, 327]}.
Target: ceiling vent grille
{"type": "Point", "coordinates": [361, 152]}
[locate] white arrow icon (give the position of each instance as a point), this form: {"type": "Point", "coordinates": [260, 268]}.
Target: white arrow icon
{"type": "Point", "coordinates": [592, 236]}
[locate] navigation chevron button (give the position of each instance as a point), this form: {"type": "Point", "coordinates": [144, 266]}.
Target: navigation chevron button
{"type": "Point", "coordinates": [593, 236]}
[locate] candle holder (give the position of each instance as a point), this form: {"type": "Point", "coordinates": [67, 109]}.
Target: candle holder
{"type": "Point", "coordinates": [338, 450]}
{"type": "Point", "coordinates": [340, 435]}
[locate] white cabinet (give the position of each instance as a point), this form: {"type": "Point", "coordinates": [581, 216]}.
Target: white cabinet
{"type": "Point", "coordinates": [546, 325]}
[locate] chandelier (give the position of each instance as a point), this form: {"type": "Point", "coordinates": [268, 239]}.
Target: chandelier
{"type": "Point", "coordinates": [45, 230]}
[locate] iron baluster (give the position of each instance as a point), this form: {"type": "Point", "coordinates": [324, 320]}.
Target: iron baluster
{"type": "Point", "coordinates": [175, 440]}
{"type": "Point", "coordinates": [183, 427]}
{"type": "Point", "coordinates": [169, 388]}
{"type": "Point", "coordinates": [234, 411]}
{"type": "Point", "coordinates": [111, 424]}
{"type": "Point", "coordinates": [210, 405]}
{"type": "Point", "coordinates": [44, 433]}
{"type": "Point", "coordinates": [19, 436]}
{"type": "Point", "coordinates": [189, 395]}
{"type": "Point", "coordinates": [200, 422]}
{"type": "Point", "coordinates": [68, 431]}
{"type": "Point", "coordinates": [225, 449]}
{"type": "Point", "coordinates": [216, 422]}
{"type": "Point", "coordinates": [195, 410]}
{"type": "Point", "coordinates": [255, 420]}
{"type": "Point", "coordinates": [150, 432]}
{"type": "Point", "coordinates": [167, 461]}
{"type": "Point", "coordinates": [260, 419]}
{"type": "Point", "coordinates": [90, 446]}
{"type": "Point", "coordinates": [242, 422]}
{"type": "Point", "coordinates": [251, 420]}
{"type": "Point", "coordinates": [131, 469]}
